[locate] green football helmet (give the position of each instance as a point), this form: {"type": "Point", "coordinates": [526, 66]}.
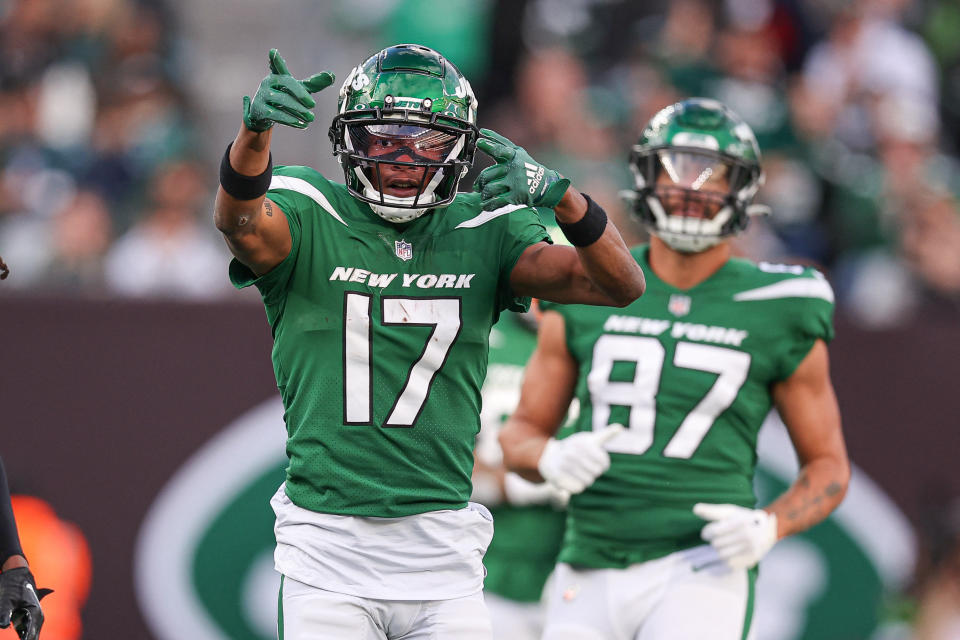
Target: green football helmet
{"type": "Point", "coordinates": [696, 169]}
{"type": "Point", "coordinates": [407, 124]}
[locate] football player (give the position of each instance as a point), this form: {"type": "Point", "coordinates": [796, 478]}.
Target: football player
{"type": "Point", "coordinates": [19, 596]}
{"type": "Point", "coordinates": [380, 293]}
{"type": "Point", "coordinates": [663, 531]}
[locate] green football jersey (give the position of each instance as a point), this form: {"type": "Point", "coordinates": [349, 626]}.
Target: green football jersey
{"type": "Point", "coordinates": [689, 373]}
{"type": "Point", "coordinates": [526, 540]}
{"type": "Point", "coordinates": [380, 343]}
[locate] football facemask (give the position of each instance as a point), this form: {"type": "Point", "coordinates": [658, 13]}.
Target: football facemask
{"type": "Point", "coordinates": [402, 165]}
{"type": "Point", "coordinates": [696, 171]}
{"type": "Point", "coordinates": [692, 197]}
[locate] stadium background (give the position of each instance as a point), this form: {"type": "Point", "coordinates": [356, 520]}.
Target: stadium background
{"type": "Point", "coordinates": [123, 351]}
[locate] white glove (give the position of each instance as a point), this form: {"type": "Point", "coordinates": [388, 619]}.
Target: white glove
{"type": "Point", "coordinates": [572, 464]}
{"type": "Point", "coordinates": [520, 492]}
{"type": "Point", "coordinates": [740, 536]}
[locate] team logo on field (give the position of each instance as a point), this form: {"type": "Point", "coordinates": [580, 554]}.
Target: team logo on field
{"type": "Point", "coordinates": [679, 304]}
{"type": "Point", "coordinates": [404, 249]}
{"type": "Point", "coordinates": [863, 550]}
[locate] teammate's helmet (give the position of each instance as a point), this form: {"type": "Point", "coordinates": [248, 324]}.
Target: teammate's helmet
{"type": "Point", "coordinates": [409, 102]}
{"type": "Point", "coordinates": [697, 169]}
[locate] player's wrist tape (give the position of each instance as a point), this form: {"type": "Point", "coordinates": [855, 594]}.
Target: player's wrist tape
{"type": "Point", "coordinates": [240, 186]}
{"type": "Point", "coordinates": [587, 229]}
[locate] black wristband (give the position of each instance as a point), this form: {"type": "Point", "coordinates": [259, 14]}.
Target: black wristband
{"type": "Point", "coordinates": [244, 187]}
{"type": "Point", "coordinates": [587, 229]}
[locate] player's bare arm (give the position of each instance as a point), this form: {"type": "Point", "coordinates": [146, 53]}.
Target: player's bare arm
{"type": "Point", "coordinates": [548, 385]}
{"type": "Point", "coordinates": [808, 406]}
{"type": "Point", "coordinates": [254, 227]}
{"type": "Point", "coordinates": [600, 270]}
{"type": "Point", "coordinates": [256, 230]}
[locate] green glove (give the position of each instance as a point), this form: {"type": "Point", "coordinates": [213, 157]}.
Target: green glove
{"type": "Point", "coordinates": [282, 98]}
{"type": "Point", "coordinates": [516, 178]}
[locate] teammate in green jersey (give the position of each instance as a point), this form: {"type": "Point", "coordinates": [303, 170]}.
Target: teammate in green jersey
{"type": "Point", "coordinates": [380, 293]}
{"type": "Point", "coordinates": [691, 370]}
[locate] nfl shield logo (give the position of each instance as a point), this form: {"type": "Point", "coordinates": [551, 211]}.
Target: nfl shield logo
{"type": "Point", "coordinates": [679, 304]}
{"type": "Point", "coordinates": [404, 249]}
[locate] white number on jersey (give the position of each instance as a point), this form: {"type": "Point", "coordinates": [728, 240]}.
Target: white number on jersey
{"type": "Point", "coordinates": [640, 393]}
{"type": "Point", "coordinates": [443, 314]}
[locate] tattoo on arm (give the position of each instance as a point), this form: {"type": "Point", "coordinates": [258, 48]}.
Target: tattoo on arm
{"type": "Point", "coordinates": [813, 508]}
{"type": "Point", "coordinates": [268, 208]}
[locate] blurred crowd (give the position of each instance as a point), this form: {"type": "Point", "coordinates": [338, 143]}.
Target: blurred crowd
{"type": "Point", "coordinates": [856, 105]}
{"type": "Point", "coordinates": [100, 188]}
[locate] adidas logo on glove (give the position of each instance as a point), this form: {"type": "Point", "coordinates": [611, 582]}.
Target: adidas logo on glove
{"type": "Point", "coordinates": [534, 176]}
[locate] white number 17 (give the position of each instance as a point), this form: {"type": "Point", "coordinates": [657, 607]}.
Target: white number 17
{"type": "Point", "coordinates": [443, 314]}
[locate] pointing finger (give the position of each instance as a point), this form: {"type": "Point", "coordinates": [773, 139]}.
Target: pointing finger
{"type": "Point", "coordinates": [496, 137]}
{"type": "Point", "coordinates": [318, 81]}
{"type": "Point", "coordinates": [277, 64]}
{"type": "Point", "coordinates": [495, 150]}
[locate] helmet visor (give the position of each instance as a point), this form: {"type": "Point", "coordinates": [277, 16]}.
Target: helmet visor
{"type": "Point", "coordinates": [695, 171]}
{"type": "Point", "coordinates": [402, 142]}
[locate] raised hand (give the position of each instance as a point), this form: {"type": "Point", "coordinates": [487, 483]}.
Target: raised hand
{"type": "Point", "coordinates": [282, 98]}
{"type": "Point", "coordinates": [516, 178]}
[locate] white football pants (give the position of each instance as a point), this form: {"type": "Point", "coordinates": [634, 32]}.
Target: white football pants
{"type": "Point", "coordinates": [687, 595]}
{"type": "Point", "coordinates": [514, 620]}
{"type": "Point", "coordinates": [309, 613]}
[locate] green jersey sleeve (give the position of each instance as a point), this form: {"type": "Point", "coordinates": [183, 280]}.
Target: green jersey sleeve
{"type": "Point", "coordinates": [807, 317]}
{"type": "Point", "coordinates": [524, 228]}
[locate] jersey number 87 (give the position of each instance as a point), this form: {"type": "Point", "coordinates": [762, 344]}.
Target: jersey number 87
{"type": "Point", "coordinates": [639, 394]}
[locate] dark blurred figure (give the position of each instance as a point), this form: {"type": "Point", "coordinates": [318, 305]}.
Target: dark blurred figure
{"type": "Point", "coordinates": [938, 588]}
{"type": "Point", "coordinates": [81, 235]}
{"type": "Point", "coordinates": [60, 558]}
{"type": "Point", "coordinates": [168, 252]}
{"type": "Point", "coordinates": [19, 596]}
{"type": "Point", "coordinates": [930, 242]}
